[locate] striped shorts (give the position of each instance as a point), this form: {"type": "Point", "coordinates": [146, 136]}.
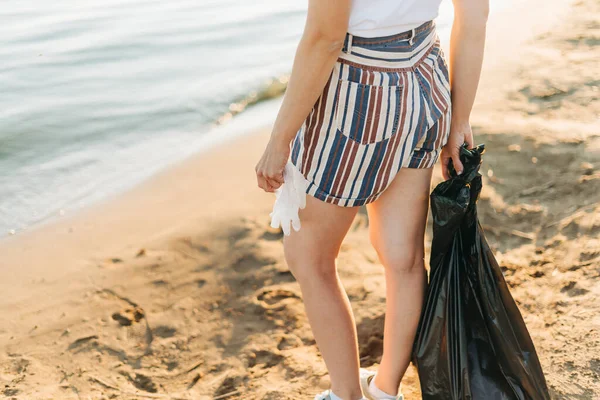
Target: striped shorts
{"type": "Point", "coordinates": [385, 106]}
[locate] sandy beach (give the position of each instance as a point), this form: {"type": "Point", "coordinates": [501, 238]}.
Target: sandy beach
{"type": "Point", "coordinates": [178, 289]}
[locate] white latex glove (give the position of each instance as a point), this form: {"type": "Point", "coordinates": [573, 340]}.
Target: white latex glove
{"type": "Point", "coordinates": [290, 198]}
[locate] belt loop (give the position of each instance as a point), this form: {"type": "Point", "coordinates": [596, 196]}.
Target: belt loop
{"type": "Point", "coordinates": [412, 36]}
{"type": "Point", "coordinates": [349, 44]}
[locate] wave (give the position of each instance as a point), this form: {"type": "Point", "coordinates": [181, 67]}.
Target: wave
{"type": "Point", "coordinates": [272, 89]}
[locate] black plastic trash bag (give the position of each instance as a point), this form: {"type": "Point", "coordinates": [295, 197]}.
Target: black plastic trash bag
{"type": "Point", "coordinates": [471, 342]}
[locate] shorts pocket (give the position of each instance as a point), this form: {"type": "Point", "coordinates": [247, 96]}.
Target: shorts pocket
{"type": "Point", "coordinates": [367, 113]}
{"type": "Point", "coordinates": [432, 75]}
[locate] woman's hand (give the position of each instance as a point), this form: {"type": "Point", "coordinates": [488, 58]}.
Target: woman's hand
{"type": "Point", "coordinates": [460, 133]}
{"type": "Point", "coordinates": [269, 170]}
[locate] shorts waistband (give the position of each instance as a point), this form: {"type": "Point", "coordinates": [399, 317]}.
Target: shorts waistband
{"type": "Point", "coordinates": [411, 35]}
{"type": "Point", "coordinates": [401, 50]}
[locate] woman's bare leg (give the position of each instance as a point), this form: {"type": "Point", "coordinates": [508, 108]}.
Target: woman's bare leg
{"type": "Point", "coordinates": [311, 254]}
{"type": "Point", "coordinates": [397, 228]}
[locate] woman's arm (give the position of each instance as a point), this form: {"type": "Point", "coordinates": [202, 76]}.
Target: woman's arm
{"type": "Point", "coordinates": [467, 42]}
{"type": "Point", "coordinates": [317, 52]}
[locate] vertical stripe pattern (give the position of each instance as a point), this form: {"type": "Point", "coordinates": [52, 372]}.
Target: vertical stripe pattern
{"type": "Point", "coordinates": [385, 106]}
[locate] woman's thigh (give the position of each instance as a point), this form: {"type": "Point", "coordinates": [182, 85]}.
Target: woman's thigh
{"type": "Point", "coordinates": [318, 241]}
{"type": "Point", "coordinates": [398, 217]}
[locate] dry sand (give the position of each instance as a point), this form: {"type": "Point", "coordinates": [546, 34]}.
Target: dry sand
{"type": "Point", "coordinates": [179, 290]}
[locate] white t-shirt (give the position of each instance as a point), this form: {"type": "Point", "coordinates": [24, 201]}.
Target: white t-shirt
{"type": "Point", "coordinates": [373, 18]}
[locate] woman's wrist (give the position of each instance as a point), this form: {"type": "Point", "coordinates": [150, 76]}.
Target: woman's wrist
{"type": "Point", "coordinates": [460, 123]}
{"type": "Point", "coordinates": [279, 141]}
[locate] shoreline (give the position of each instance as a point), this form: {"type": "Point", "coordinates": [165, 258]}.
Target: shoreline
{"type": "Point", "coordinates": [213, 137]}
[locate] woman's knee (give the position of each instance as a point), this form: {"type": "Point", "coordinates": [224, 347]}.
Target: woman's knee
{"type": "Point", "coordinates": [309, 262]}
{"type": "Point", "coordinates": [400, 258]}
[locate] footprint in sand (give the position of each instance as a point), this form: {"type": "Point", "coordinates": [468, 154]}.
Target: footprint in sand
{"type": "Point", "coordinates": [164, 331]}
{"type": "Point", "coordinates": [251, 262]}
{"type": "Point", "coordinates": [588, 255]}
{"type": "Point", "coordinates": [230, 385]}
{"type": "Point", "coordinates": [8, 392]}
{"type": "Point", "coordinates": [82, 341]}
{"type": "Point", "coordinates": [289, 342]}
{"type": "Point", "coordinates": [276, 298]}
{"type": "Point", "coordinates": [264, 358]}
{"type": "Point", "coordinates": [572, 290]}
{"type": "Point", "coordinates": [19, 364]}
{"type": "Point", "coordinates": [128, 316]}
{"type": "Point", "coordinates": [15, 373]}
{"type": "Point", "coordinates": [160, 283]}
{"type": "Point", "coordinates": [141, 382]}
{"type": "Point", "coordinates": [370, 339]}
{"type": "Point", "coordinates": [537, 273]}
{"type": "Point", "coordinates": [144, 382]}
{"type": "Point", "coordinates": [272, 234]}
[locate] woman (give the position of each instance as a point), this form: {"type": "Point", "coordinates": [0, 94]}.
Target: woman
{"type": "Point", "coordinates": [370, 106]}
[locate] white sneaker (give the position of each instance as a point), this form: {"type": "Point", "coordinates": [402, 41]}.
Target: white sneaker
{"type": "Point", "coordinates": [326, 395]}
{"type": "Point", "coordinates": [366, 377]}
